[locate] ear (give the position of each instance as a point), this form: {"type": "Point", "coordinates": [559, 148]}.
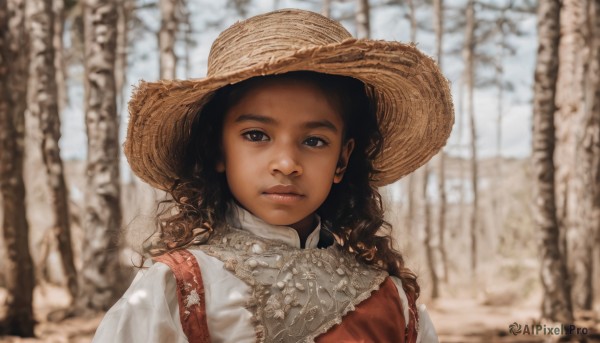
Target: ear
{"type": "Point", "coordinates": [343, 161]}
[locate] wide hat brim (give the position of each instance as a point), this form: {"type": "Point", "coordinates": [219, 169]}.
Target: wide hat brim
{"type": "Point", "coordinates": [413, 100]}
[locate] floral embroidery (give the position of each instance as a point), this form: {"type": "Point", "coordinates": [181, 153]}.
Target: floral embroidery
{"type": "Point", "coordinates": [192, 299]}
{"type": "Point", "coordinates": [297, 294]}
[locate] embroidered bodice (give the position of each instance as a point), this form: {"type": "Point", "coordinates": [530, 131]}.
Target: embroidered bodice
{"type": "Point", "coordinates": [296, 294]}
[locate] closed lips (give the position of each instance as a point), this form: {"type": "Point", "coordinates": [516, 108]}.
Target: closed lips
{"type": "Point", "coordinates": [283, 190]}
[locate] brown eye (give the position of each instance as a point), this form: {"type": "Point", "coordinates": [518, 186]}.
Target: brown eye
{"type": "Point", "coordinates": [315, 142]}
{"type": "Point", "coordinates": [255, 136]}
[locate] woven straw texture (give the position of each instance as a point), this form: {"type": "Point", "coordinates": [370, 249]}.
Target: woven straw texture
{"type": "Point", "coordinates": [414, 103]}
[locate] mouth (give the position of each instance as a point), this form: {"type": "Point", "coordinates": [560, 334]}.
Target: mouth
{"type": "Point", "coordinates": [283, 193]}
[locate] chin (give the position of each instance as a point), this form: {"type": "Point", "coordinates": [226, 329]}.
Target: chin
{"type": "Point", "coordinates": [281, 220]}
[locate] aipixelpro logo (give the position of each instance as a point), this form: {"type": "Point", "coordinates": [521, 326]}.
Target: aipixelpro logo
{"type": "Point", "coordinates": [539, 329]}
{"type": "Point", "coordinates": [514, 328]}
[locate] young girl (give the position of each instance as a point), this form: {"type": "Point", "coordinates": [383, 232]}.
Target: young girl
{"type": "Point", "coordinates": [276, 231]}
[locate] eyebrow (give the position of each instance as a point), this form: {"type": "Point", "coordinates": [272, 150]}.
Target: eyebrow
{"type": "Point", "coordinates": [326, 124]}
{"type": "Point", "coordinates": [255, 117]}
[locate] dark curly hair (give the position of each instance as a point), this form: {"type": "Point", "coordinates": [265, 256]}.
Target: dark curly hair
{"type": "Point", "coordinates": [353, 212]}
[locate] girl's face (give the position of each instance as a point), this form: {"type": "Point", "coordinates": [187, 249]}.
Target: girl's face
{"type": "Point", "coordinates": [282, 151]}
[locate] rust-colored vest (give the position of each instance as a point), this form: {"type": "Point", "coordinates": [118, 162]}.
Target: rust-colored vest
{"type": "Point", "coordinates": [378, 319]}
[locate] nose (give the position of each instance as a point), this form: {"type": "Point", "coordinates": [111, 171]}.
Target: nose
{"type": "Point", "coordinates": [285, 161]}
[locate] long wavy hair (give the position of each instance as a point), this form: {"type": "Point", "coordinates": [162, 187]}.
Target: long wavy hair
{"type": "Point", "coordinates": [352, 214]}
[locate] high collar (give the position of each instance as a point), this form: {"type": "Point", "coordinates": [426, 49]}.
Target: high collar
{"type": "Point", "coordinates": [240, 218]}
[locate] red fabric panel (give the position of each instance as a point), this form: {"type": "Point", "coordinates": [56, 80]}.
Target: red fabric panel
{"type": "Point", "coordinates": [190, 294]}
{"type": "Point", "coordinates": [413, 326]}
{"type": "Point", "coordinates": [378, 319]}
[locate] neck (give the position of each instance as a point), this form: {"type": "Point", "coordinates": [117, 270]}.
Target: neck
{"type": "Point", "coordinates": [299, 234]}
{"type": "Point", "coordinates": [304, 228]}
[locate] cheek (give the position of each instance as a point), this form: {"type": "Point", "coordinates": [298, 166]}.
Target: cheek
{"type": "Point", "coordinates": [230, 149]}
{"type": "Point", "coordinates": [321, 169]}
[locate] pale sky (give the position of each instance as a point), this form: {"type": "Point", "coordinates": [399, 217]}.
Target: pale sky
{"type": "Point", "coordinates": [388, 24]}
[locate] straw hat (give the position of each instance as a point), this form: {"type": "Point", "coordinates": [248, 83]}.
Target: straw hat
{"type": "Point", "coordinates": [414, 104]}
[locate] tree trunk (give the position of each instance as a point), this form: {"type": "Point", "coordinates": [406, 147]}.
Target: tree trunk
{"type": "Point", "coordinates": [556, 304]}
{"type": "Point", "coordinates": [461, 161]}
{"type": "Point", "coordinates": [59, 60]}
{"type": "Point", "coordinates": [438, 24]}
{"type": "Point", "coordinates": [42, 104]}
{"type": "Point", "coordinates": [468, 56]}
{"type": "Point", "coordinates": [412, 15]}
{"type": "Point", "coordinates": [363, 26]}
{"type": "Point", "coordinates": [19, 273]}
{"type": "Point", "coordinates": [429, 244]}
{"type": "Point", "coordinates": [571, 153]}
{"type": "Point", "coordinates": [124, 9]}
{"type": "Point", "coordinates": [326, 8]}
{"type": "Point", "coordinates": [569, 100]}
{"type": "Point", "coordinates": [102, 212]}
{"type": "Point", "coordinates": [188, 35]}
{"type": "Point", "coordinates": [499, 70]}
{"type": "Point", "coordinates": [498, 187]}
{"type": "Point", "coordinates": [588, 171]}
{"type": "Point", "coordinates": [167, 37]}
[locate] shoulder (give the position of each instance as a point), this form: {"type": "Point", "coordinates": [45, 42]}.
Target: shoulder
{"type": "Point", "coordinates": [152, 296]}
{"type": "Point", "coordinates": [427, 332]}
{"type": "Point", "coordinates": [156, 277]}
{"type": "Point", "coordinates": [151, 285]}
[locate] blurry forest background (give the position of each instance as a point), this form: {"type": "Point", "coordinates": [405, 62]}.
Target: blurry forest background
{"type": "Point", "coordinates": [503, 226]}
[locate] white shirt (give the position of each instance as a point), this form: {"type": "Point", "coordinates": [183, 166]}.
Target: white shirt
{"type": "Point", "coordinates": [148, 312]}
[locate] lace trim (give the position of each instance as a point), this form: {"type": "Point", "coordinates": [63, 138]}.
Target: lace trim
{"type": "Point", "coordinates": [297, 294]}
